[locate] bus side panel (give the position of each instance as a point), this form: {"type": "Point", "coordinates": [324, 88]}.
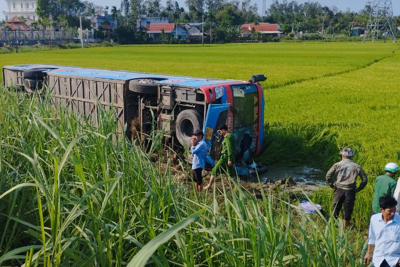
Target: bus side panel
{"type": "Point", "coordinates": [12, 78]}
{"type": "Point", "coordinates": [82, 95]}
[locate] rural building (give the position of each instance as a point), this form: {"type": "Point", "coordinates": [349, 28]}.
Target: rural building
{"type": "Point", "coordinates": [194, 32]}
{"type": "Point", "coordinates": [18, 8]}
{"type": "Point", "coordinates": [154, 30]}
{"type": "Point", "coordinates": [144, 22]}
{"type": "Point", "coordinates": [356, 29]}
{"type": "Point", "coordinates": [15, 23]}
{"type": "Point", "coordinates": [264, 28]}
{"type": "Point", "coordinates": [103, 18]}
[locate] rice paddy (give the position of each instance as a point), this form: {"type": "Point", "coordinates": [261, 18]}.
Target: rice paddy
{"type": "Point", "coordinates": [72, 195]}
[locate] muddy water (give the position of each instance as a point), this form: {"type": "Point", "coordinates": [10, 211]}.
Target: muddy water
{"type": "Point", "coordinates": [307, 178]}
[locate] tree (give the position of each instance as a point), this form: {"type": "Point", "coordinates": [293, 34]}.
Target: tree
{"type": "Point", "coordinates": [114, 13]}
{"type": "Point", "coordinates": [125, 35]}
{"type": "Point", "coordinates": [172, 11]}
{"type": "Point", "coordinates": [136, 8]}
{"type": "Point", "coordinates": [125, 8]}
{"type": "Point", "coordinates": [44, 8]}
{"type": "Point", "coordinates": [229, 16]}
{"type": "Point", "coordinates": [196, 9]}
{"type": "Point", "coordinates": [152, 8]}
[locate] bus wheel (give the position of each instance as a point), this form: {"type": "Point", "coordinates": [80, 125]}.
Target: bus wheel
{"type": "Point", "coordinates": [32, 85]}
{"type": "Point", "coordinates": [187, 121]}
{"type": "Point", "coordinates": [143, 86]}
{"type": "Point", "coordinates": [35, 74]}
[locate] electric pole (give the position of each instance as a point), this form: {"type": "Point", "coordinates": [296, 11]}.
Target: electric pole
{"type": "Point", "coordinates": [380, 24]}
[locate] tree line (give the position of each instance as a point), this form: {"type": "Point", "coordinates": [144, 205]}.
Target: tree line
{"type": "Point", "coordinates": [222, 17]}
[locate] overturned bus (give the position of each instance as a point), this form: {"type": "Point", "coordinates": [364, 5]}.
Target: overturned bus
{"type": "Point", "coordinates": [142, 102]}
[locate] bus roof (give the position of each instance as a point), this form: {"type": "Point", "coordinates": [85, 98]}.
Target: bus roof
{"type": "Point", "coordinates": [124, 75]}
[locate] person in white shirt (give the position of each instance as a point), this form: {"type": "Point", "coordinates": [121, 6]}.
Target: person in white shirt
{"type": "Point", "coordinates": [396, 196]}
{"type": "Point", "coordinates": [384, 235]}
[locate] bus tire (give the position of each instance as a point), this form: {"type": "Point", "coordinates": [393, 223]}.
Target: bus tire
{"type": "Point", "coordinates": [35, 74]}
{"type": "Point", "coordinates": [187, 121]}
{"type": "Point", "coordinates": [144, 86]}
{"type": "Point", "coordinates": [32, 85]}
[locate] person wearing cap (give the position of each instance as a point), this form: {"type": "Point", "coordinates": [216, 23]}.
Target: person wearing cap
{"type": "Point", "coordinates": [384, 185]}
{"type": "Point", "coordinates": [199, 151]}
{"type": "Point", "coordinates": [342, 177]}
{"type": "Point", "coordinates": [227, 158]}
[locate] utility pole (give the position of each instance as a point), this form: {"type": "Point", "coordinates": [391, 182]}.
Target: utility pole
{"type": "Point", "coordinates": [80, 25]}
{"type": "Point", "coordinates": [380, 23]}
{"type": "Point", "coordinates": [202, 28]}
{"type": "Point", "coordinates": [264, 5]}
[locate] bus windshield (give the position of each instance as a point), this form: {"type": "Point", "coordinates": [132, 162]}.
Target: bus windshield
{"type": "Point", "coordinates": [243, 98]}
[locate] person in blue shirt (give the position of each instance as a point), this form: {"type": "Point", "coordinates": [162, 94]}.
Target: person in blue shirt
{"type": "Point", "coordinates": [199, 151]}
{"type": "Point", "coordinates": [384, 235]}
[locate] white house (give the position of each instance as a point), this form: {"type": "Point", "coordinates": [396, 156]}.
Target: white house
{"type": "Point", "coordinates": [21, 8]}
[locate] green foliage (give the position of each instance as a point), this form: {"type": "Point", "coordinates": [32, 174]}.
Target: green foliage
{"type": "Point", "coordinates": [319, 97]}
{"type": "Point", "coordinates": [125, 35]}
{"type": "Point", "coordinates": [77, 195]}
{"type": "Point", "coordinates": [72, 194]}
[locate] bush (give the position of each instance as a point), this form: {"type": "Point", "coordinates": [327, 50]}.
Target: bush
{"type": "Point", "coordinates": [107, 44]}
{"type": "Point", "coordinates": [312, 37]}
{"type": "Point", "coordinates": [125, 35]}
{"type": "Point", "coordinates": [270, 38]}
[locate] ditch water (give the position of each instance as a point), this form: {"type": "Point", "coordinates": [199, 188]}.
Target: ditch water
{"type": "Point", "coordinates": [307, 178]}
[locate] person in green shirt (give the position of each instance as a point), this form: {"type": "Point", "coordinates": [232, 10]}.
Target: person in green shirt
{"type": "Point", "coordinates": [384, 185]}
{"type": "Point", "coordinates": [227, 158]}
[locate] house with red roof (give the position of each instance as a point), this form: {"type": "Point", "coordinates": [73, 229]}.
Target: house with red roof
{"type": "Point", "coordinates": [264, 28]}
{"type": "Point", "coordinates": [154, 30]}
{"type": "Point", "coordinates": [15, 23]}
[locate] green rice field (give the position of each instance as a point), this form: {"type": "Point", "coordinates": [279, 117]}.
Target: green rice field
{"type": "Point", "coordinates": [72, 195]}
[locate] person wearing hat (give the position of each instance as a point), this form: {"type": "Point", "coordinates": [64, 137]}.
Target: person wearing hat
{"type": "Point", "coordinates": [227, 158]}
{"type": "Point", "coordinates": [199, 151]}
{"type": "Point", "coordinates": [384, 185]}
{"type": "Point", "coordinates": [342, 177]}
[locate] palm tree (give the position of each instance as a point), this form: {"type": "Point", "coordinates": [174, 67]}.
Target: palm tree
{"type": "Point", "coordinates": [114, 13]}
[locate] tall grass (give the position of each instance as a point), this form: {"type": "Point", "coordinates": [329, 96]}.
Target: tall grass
{"type": "Point", "coordinates": [75, 195]}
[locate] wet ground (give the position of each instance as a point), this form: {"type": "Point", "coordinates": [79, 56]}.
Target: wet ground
{"type": "Point", "coordinates": [301, 175]}
{"type": "Point", "coordinates": [304, 178]}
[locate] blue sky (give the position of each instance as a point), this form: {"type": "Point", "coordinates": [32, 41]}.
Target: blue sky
{"type": "Point", "coordinates": [353, 5]}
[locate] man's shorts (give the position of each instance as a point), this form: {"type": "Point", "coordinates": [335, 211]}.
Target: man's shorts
{"type": "Point", "coordinates": [197, 177]}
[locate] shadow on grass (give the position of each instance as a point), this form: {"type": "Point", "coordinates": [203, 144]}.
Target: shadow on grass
{"type": "Point", "coordinates": [292, 145]}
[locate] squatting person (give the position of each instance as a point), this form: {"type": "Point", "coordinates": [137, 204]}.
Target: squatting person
{"type": "Point", "coordinates": [199, 151]}
{"type": "Point", "coordinates": [227, 158]}
{"type": "Point", "coordinates": [342, 177]}
{"type": "Point", "coordinates": [384, 235]}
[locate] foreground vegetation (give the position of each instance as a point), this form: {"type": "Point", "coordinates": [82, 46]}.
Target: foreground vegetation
{"type": "Point", "coordinates": [83, 196]}
{"type": "Point", "coordinates": [77, 196]}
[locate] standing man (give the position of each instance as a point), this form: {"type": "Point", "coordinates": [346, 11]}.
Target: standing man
{"type": "Point", "coordinates": [199, 151]}
{"type": "Point", "coordinates": [384, 235]}
{"type": "Point", "coordinates": [227, 158]}
{"type": "Point", "coordinates": [342, 177]}
{"type": "Point", "coordinates": [384, 185]}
